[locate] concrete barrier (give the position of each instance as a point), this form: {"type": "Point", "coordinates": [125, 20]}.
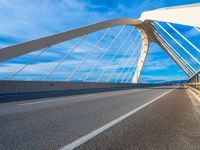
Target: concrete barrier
{"type": "Point", "coordinates": [27, 90]}
{"type": "Point", "coordinates": [15, 87]}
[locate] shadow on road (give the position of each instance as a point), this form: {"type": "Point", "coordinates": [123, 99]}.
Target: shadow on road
{"type": "Point", "coordinates": [51, 94]}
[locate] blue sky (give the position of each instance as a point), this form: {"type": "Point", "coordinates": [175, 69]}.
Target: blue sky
{"type": "Point", "coordinates": [23, 20]}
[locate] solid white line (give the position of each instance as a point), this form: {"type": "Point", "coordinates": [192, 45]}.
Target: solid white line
{"type": "Point", "coordinates": [55, 100]}
{"type": "Point", "coordinates": [80, 96]}
{"type": "Point", "coordinates": [96, 132]}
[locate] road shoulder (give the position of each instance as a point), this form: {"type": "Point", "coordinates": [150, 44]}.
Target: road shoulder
{"type": "Point", "coordinates": [169, 123]}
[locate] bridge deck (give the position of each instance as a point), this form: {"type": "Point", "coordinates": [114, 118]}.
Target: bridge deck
{"type": "Point", "coordinates": [170, 122]}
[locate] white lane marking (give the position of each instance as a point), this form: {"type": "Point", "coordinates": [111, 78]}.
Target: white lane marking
{"type": "Point", "coordinates": [55, 100]}
{"type": "Point", "coordinates": [67, 98]}
{"type": "Point", "coordinates": [96, 132]}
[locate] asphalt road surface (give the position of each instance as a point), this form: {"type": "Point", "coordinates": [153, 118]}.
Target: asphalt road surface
{"type": "Point", "coordinates": [151, 118]}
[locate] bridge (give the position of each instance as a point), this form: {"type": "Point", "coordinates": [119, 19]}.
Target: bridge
{"type": "Point", "coordinates": [98, 102]}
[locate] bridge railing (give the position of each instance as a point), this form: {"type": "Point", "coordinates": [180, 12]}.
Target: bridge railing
{"type": "Point", "coordinates": [194, 82]}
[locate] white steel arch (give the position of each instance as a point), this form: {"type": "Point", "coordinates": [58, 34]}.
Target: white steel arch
{"type": "Point", "coordinates": [144, 25]}
{"type": "Point", "coordinates": [186, 15]}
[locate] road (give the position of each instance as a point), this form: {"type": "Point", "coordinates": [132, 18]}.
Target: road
{"type": "Point", "coordinates": [151, 118]}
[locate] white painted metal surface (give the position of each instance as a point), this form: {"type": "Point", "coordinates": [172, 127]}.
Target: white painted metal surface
{"type": "Point", "coordinates": [185, 15]}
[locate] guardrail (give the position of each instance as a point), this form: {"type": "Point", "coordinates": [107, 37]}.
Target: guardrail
{"type": "Point", "coordinates": [17, 87]}
{"type": "Point", "coordinates": [194, 81]}
{"type": "Point", "coordinates": [194, 85]}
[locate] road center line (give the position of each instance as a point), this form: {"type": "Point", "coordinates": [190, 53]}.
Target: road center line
{"type": "Point", "coordinates": [55, 100]}
{"type": "Point", "coordinates": [96, 132]}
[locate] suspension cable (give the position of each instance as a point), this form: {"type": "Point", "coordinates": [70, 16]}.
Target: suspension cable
{"type": "Point", "coordinates": [183, 37]}
{"type": "Point", "coordinates": [125, 40]}
{"type": "Point", "coordinates": [174, 51]}
{"type": "Point", "coordinates": [30, 62]}
{"type": "Point", "coordinates": [64, 57]}
{"type": "Point", "coordinates": [181, 59]}
{"type": "Point", "coordinates": [178, 55]}
{"type": "Point", "coordinates": [130, 69]}
{"type": "Point", "coordinates": [127, 62]}
{"type": "Point", "coordinates": [129, 76]}
{"type": "Point", "coordinates": [89, 54]}
{"type": "Point", "coordinates": [126, 52]}
{"type": "Point", "coordinates": [105, 52]}
{"type": "Point", "coordinates": [177, 42]}
{"type": "Point", "coordinates": [180, 51]}
{"type": "Point", "coordinates": [91, 45]}
{"type": "Point", "coordinates": [197, 29]}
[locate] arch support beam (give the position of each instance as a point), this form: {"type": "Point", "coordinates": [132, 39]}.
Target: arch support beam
{"type": "Point", "coordinates": [30, 46]}
{"type": "Point", "coordinates": [144, 50]}
{"type": "Point", "coordinates": [185, 15]}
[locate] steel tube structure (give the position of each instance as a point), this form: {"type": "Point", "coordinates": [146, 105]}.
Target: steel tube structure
{"type": "Point", "coordinates": [143, 25]}
{"type": "Point", "coordinates": [30, 46]}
